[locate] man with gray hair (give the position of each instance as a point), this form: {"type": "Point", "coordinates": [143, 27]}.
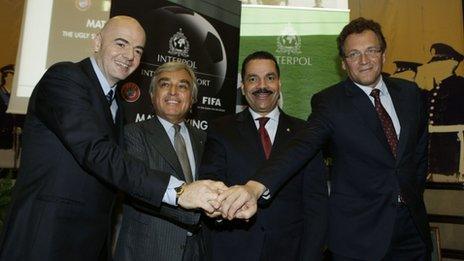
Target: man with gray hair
{"type": "Point", "coordinates": [167, 143]}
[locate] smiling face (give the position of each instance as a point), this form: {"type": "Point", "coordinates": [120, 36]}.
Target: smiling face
{"type": "Point", "coordinates": [119, 47]}
{"type": "Point", "coordinates": [172, 95]}
{"type": "Point", "coordinates": [366, 68]}
{"type": "Point", "coordinates": [261, 85]}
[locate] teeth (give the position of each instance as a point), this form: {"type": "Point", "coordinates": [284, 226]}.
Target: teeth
{"type": "Point", "coordinates": [174, 102]}
{"type": "Point", "coordinates": [122, 64]}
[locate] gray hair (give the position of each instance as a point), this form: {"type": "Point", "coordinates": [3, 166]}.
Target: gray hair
{"type": "Point", "coordinates": [172, 67]}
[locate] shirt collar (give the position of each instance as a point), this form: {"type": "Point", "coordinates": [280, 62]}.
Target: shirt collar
{"type": "Point", "coordinates": [380, 85]}
{"type": "Point", "coordinates": [168, 125]}
{"type": "Point", "coordinates": [101, 78]}
{"type": "Point", "coordinates": [273, 115]}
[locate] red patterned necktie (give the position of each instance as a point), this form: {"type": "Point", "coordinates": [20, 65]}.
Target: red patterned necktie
{"type": "Point", "coordinates": [265, 140]}
{"type": "Point", "coordinates": [387, 124]}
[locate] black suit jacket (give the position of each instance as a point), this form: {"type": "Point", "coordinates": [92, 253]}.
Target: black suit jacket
{"type": "Point", "coordinates": [149, 233]}
{"type": "Point", "coordinates": [366, 178]}
{"type": "Point", "coordinates": [233, 153]}
{"type": "Point", "coordinates": [71, 165]}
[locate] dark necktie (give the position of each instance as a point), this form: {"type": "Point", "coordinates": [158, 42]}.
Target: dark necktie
{"type": "Point", "coordinates": [181, 151]}
{"type": "Point", "coordinates": [265, 140]}
{"type": "Point", "coordinates": [109, 97]}
{"type": "Point", "coordinates": [386, 121]}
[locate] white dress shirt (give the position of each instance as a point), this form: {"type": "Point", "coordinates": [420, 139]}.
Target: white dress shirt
{"type": "Point", "coordinates": [386, 101]}
{"type": "Point", "coordinates": [271, 125]}
{"type": "Point", "coordinates": [271, 128]}
{"type": "Point", "coordinates": [105, 86]}
{"type": "Point", "coordinates": [170, 194]}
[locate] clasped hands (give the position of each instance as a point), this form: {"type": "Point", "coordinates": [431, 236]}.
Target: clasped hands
{"type": "Point", "coordinates": [216, 199]}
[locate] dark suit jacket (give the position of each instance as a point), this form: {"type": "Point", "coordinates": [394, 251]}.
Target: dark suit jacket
{"type": "Point", "coordinates": [233, 153]}
{"type": "Point", "coordinates": [71, 166]}
{"type": "Point", "coordinates": [156, 233]}
{"type": "Point", "coordinates": [366, 178]}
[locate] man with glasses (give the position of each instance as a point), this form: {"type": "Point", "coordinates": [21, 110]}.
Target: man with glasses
{"type": "Point", "coordinates": [376, 129]}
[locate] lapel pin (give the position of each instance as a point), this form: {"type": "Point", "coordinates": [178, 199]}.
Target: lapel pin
{"type": "Point", "coordinates": [288, 129]}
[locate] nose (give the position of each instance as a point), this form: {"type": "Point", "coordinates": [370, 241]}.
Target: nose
{"type": "Point", "coordinates": [363, 58]}
{"type": "Point", "coordinates": [129, 53]}
{"type": "Point", "coordinates": [173, 89]}
{"type": "Point", "coordinates": [262, 83]}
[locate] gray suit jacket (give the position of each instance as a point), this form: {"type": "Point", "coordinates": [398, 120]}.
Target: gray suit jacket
{"type": "Point", "coordinates": [149, 233]}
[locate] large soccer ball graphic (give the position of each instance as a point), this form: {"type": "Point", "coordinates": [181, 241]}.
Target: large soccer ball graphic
{"type": "Point", "coordinates": [177, 33]}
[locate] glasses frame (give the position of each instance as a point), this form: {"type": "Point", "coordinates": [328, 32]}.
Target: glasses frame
{"type": "Point", "coordinates": [371, 53]}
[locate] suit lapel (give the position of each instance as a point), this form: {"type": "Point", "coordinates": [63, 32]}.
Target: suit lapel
{"type": "Point", "coordinates": [250, 137]}
{"type": "Point", "coordinates": [160, 141]}
{"type": "Point", "coordinates": [119, 120]}
{"type": "Point", "coordinates": [400, 109]}
{"type": "Point", "coordinates": [284, 128]}
{"type": "Point", "coordinates": [197, 146]}
{"type": "Point", "coordinates": [97, 90]}
{"type": "Point", "coordinates": [367, 111]}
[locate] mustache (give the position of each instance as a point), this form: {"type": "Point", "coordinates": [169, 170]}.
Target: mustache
{"type": "Point", "coordinates": [262, 91]}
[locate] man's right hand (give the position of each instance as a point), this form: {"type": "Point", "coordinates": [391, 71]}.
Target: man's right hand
{"type": "Point", "coordinates": [202, 194]}
{"type": "Point", "coordinates": [241, 201]}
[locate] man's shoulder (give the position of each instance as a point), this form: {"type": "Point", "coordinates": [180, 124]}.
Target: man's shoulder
{"type": "Point", "coordinates": [334, 89]}
{"type": "Point", "coordinates": [68, 67]}
{"type": "Point", "coordinates": [137, 127]}
{"type": "Point", "coordinates": [226, 120]}
{"type": "Point", "coordinates": [197, 133]}
{"type": "Point", "coordinates": [401, 82]}
{"type": "Point", "coordinates": [291, 119]}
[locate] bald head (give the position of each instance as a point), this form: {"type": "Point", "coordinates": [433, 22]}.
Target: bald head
{"type": "Point", "coordinates": [122, 21]}
{"type": "Point", "coordinates": [118, 47]}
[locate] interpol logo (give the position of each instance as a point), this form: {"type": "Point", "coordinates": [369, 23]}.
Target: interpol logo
{"type": "Point", "coordinates": [179, 45]}
{"type": "Point", "coordinates": [83, 5]}
{"type": "Point", "coordinates": [289, 42]}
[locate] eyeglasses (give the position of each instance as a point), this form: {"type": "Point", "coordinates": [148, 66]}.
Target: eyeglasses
{"type": "Point", "coordinates": [372, 52]}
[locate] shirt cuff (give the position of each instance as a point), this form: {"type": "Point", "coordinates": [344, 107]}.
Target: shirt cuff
{"type": "Point", "coordinates": [170, 194]}
{"type": "Point", "coordinates": [266, 194]}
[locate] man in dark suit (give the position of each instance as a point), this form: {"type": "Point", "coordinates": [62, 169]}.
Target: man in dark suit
{"type": "Point", "coordinates": [293, 224]}
{"type": "Point", "coordinates": [167, 232]}
{"type": "Point", "coordinates": [71, 163]}
{"type": "Point", "coordinates": [376, 208]}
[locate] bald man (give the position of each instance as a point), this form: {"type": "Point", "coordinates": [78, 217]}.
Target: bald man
{"type": "Point", "coordinates": [71, 164]}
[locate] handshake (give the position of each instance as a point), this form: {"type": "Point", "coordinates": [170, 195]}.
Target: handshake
{"type": "Point", "coordinates": [216, 199]}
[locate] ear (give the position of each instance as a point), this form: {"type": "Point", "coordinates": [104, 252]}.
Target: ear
{"type": "Point", "coordinates": [97, 42]}
{"type": "Point", "coordinates": [344, 64]}
{"type": "Point", "coordinates": [383, 57]}
{"type": "Point", "coordinates": [242, 88]}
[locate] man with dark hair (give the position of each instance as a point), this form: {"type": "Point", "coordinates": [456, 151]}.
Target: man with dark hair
{"type": "Point", "coordinates": [72, 165]}
{"type": "Point", "coordinates": [376, 129]}
{"type": "Point", "coordinates": [292, 226]}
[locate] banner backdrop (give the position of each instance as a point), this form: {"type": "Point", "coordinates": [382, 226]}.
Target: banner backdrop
{"type": "Point", "coordinates": [203, 35]}
{"type": "Point", "coordinates": [304, 42]}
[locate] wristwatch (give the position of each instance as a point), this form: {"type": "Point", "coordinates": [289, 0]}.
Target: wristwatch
{"type": "Point", "coordinates": [179, 190]}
